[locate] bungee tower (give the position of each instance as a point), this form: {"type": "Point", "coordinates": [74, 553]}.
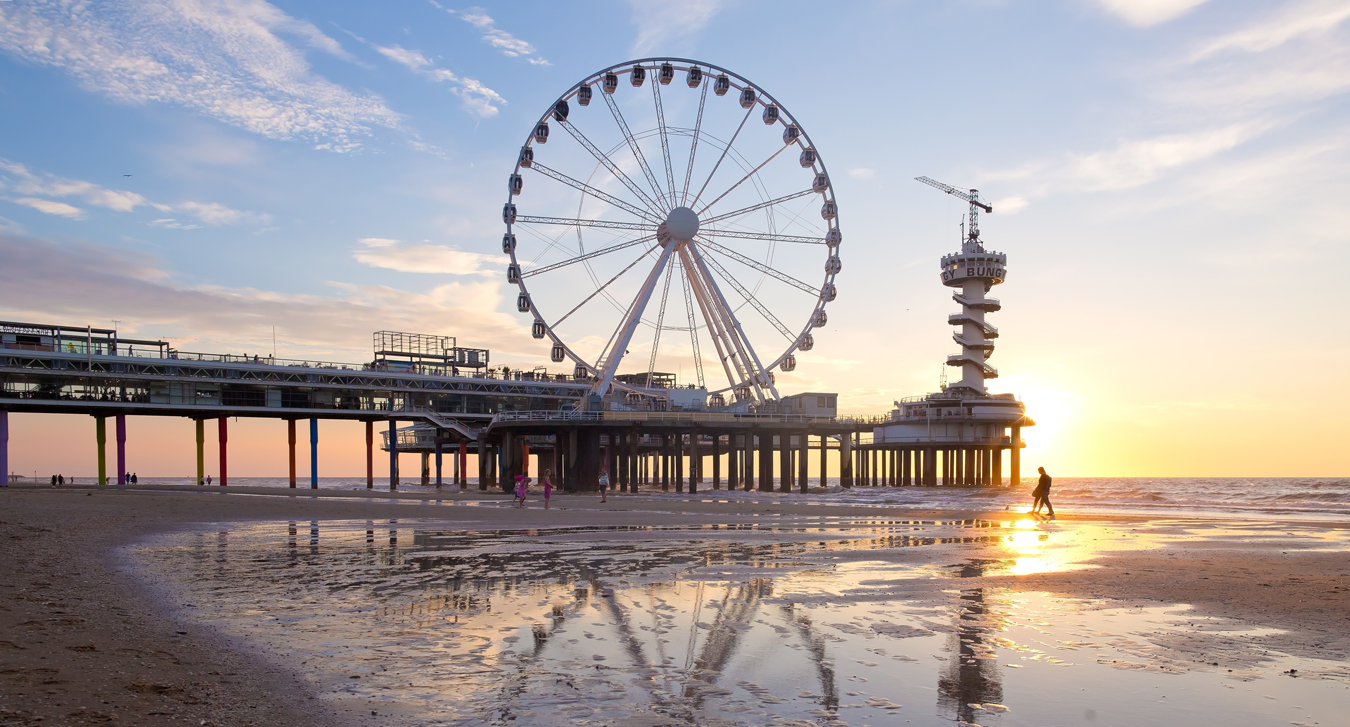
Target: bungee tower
{"type": "Point", "coordinates": [957, 436]}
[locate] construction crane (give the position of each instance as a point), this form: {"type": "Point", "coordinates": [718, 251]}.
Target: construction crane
{"type": "Point", "coordinates": [972, 242]}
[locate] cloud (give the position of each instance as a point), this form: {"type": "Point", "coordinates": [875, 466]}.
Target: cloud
{"type": "Point", "coordinates": [478, 99]}
{"type": "Point", "coordinates": [1145, 13]}
{"type": "Point", "coordinates": [500, 39]}
{"type": "Point", "coordinates": [1293, 21]}
{"type": "Point", "coordinates": [1010, 205]}
{"type": "Point", "coordinates": [52, 208]}
{"type": "Point", "coordinates": [151, 302]}
{"type": "Point", "coordinates": [20, 179]}
{"type": "Point", "coordinates": [173, 224]}
{"type": "Point", "coordinates": [214, 213]}
{"type": "Point", "coordinates": [379, 252]}
{"type": "Point", "coordinates": [660, 29]}
{"type": "Point", "coordinates": [221, 59]}
{"type": "Point", "coordinates": [1130, 164]}
{"type": "Point", "coordinates": [862, 173]}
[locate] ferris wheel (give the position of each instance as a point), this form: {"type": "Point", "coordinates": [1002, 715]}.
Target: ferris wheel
{"type": "Point", "coordinates": [670, 223]}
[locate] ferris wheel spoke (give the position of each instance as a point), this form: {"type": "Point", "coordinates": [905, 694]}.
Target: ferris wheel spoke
{"type": "Point", "coordinates": [665, 142]}
{"type": "Point", "coordinates": [611, 166]}
{"type": "Point", "coordinates": [741, 181]}
{"type": "Point", "coordinates": [763, 236]}
{"type": "Point", "coordinates": [575, 222]}
{"type": "Point", "coordinates": [660, 323]}
{"type": "Point", "coordinates": [588, 256]}
{"type": "Point", "coordinates": [752, 208]}
{"type": "Point", "coordinates": [601, 289]}
{"type": "Point", "coordinates": [756, 374]}
{"type": "Point", "coordinates": [725, 149]}
{"type": "Point", "coordinates": [632, 144]}
{"type": "Point", "coordinates": [693, 325]}
{"type": "Point", "coordinates": [698, 124]}
{"type": "Point", "coordinates": [750, 298]}
{"type": "Point", "coordinates": [761, 267]}
{"type": "Point", "coordinates": [588, 189]}
{"type": "Point", "coordinates": [614, 351]}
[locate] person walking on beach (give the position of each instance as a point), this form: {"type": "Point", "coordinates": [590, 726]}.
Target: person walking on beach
{"type": "Point", "coordinates": [604, 484]}
{"type": "Point", "coordinates": [547, 484]}
{"type": "Point", "coordinates": [519, 500]}
{"type": "Point", "coordinates": [1041, 495]}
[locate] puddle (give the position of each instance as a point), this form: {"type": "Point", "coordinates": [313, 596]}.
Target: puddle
{"type": "Point", "coordinates": [795, 623]}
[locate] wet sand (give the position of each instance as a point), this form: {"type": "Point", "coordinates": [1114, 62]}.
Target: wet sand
{"type": "Point", "coordinates": [83, 640]}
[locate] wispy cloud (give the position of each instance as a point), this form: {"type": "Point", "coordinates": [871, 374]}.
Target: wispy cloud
{"type": "Point", "coordinates": [500, 39]}
{"type": "Point", "coordinates": [47, 206]}
{"type": "Point", "coordinates": [173, 224]}
{"type": "Point", "coordinates": [22, 180]}
{"type": "Point", "coordinates": [1290, 22]}
{"type": "Point", "coordinates": [507, 43]}
{"type": "Point", "coordinates": [380, 252]}
{"type": "Point", "coordinates": [225, 60]}
{"type": "Point", "coordinates": [149, 299]}
{"type": "Point", "coordinates": [477, 98]}
{"type": "Point", "coordinates": [1145, 13]}
{"type": "Point", "coordinates": [657, 30]}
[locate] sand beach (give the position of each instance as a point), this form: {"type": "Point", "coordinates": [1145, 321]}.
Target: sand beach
{"type": "Point", "coordinates": [120, 606]}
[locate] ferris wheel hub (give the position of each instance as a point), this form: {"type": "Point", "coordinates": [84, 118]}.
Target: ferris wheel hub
{"type": "Point", "coordinates": [682, 223]}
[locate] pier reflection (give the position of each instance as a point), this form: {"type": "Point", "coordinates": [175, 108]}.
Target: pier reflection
{"type": "Point", "coordinates": [972, 673]}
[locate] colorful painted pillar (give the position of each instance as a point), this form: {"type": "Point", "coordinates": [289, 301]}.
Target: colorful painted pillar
{"type": "Point", "coordinates": [4, 448]}
{"type": "Point", "coordinates": [101, 438]}
{"type": "Point", "coordinates": [290, 447]}
{"type": "Point", "coordinates": [201, 451]}
{"type": "Point", "coordinates": [121, 425]}
{"type": "Point", "coordinates": [393, 455]}
{"type": "Point", "coordinates": [314, 453]}
{"type": "Point", "coordinates": [223, 424]}
{"type": "Point", "coordinates": [370, 455]}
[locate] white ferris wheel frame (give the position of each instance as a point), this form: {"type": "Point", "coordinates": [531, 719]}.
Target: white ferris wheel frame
{"type": "Point", "coordinates": [751, 376]}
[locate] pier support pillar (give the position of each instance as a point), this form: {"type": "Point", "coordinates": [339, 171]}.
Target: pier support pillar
{"type": "Point", "coordinates": [482, 462]}
{"type": "Point", "coordinates": [201, 452]}
{"type": "Point", "coordinates": [765, 462]}
{"type": "Point", "coordinates": [290, 449]}
{"type": "Point", "coordinates": [1015, 458]}
{"type": "Point", "coordinates": [804, 463]}
{"type": "Point", "coordinates": [426, 468]}
{"type": "Point", "coordinates": [224, 433]}
{"type": "Point", "coordinates": [998, 466]}
{"type": "Point", "coordinates": [439, 453]}
{"type": "Point", "coordinates": [370, 456]}
{"type": "Point", "coordinates": [314, 453]}
{"type": "Point", "coordinates": [717, 461]}
{"type": "Point", "coordinates": [462, 471]}
{"type": "Point", "coordinates": [748, 479]}
{"type": "Point", "coordinates": [695, 460]}
{"type": "Point", "coordinates": [121, 423]}
{"type": "Point", "coordinates": [4, 448]}
{"type": "Point", "coordinates": [393, 455]}
{"type": "Point", "coordinates": [785, 462]}
{"type": "Point", "coordinates": [678, 454]}
{"type": "Point", "coordinates": [101, 439]}
{"type": "Point", "coordinates": [733, 471]}
{"type": "Point", "coordinates": [846, 460]}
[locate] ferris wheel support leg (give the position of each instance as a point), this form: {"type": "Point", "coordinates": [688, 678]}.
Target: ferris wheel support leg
{"type": "Point", "coordinates": [760, 377]}
{"type": "Point", "coordinates": [715, 324]}
{"type": "Point", "coordinates": [629, 324]}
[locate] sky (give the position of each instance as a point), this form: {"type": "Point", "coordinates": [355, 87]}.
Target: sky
{"type": "Point", "coordinates": [1168, 177]}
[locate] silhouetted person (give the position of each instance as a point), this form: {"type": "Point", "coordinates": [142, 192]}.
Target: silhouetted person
{"type": "Point", "coordinates": [1041, 495]}
{"type": "Point", "coordinates": [134, 479]}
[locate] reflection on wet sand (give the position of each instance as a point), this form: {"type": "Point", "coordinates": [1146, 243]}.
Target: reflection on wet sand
{"type": "Point", "coordinates": [705, 626]}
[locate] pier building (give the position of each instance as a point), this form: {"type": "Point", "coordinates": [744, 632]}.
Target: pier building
{"type": "Point", "coordinates": [957, 435]}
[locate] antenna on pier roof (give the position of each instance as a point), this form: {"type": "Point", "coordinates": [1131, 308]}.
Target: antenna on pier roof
{"type": "Point", "coordinates": [942, 380]}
